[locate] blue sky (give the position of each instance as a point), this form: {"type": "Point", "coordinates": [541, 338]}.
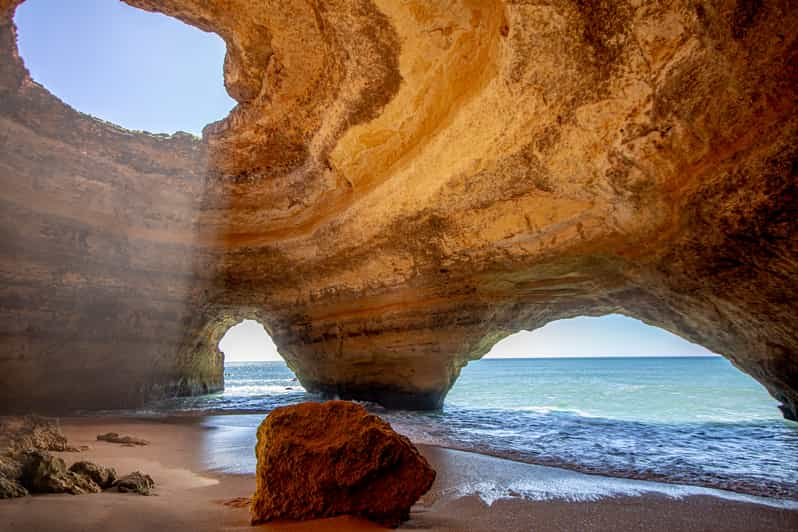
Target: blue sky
{"type": "Point", "coordinates": [612, 335]}
{"type": "Point", "coordinates": [139, 70]}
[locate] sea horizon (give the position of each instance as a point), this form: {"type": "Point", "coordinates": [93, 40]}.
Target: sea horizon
{"type": "Point", "coordinates": [538, 357]}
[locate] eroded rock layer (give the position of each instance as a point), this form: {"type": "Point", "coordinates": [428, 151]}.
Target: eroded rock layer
{"type": "Point", "coordinates": [401, 185]}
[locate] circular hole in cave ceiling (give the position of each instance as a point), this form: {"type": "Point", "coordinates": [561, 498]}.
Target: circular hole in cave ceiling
{"type": "Point", "coordinates": [139, 70]}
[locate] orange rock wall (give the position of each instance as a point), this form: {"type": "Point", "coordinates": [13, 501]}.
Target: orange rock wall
{"type": "Point", "coordinates": [101, 272]}
{"type": "Point", "coordinates": [403, 184]}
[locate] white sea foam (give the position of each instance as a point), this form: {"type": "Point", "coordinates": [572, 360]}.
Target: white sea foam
{"type": "Point", "coordinates": [541, 483]}
{"type": "Point", "coordinates": [597, 488]}
{"type": "Point", "coordinates": [262, 389]}
{"type": "Point", "coordinates": [546, 409]}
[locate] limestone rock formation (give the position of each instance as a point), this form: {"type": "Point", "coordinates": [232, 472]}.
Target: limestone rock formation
{"type": "Point", "coordinates": [45, 473]}
{"type": "Point", "coordinates": [325, 459]}
{"type": "Point", "coordinates": [104, 477]}
{"type": "Point", "coordinates": [26, 466]}
{"type": "Point", "coordinates": [135, 482]}
{"type": "Point", "coordinates": [10, 489]}
{"type": "Point", "coordinates": [19, 437]}
{"type": "Point", "coordinates": [32, 432]}
{"type": "Point", "coordinates": [401, 185]}
{"type": "Point", "coordinates": [113, 437]}
{"type": "Point", "coordinates": [10, 465]}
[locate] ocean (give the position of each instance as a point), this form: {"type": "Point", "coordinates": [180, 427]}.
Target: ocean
{"type": "Point", "coordinates": [694, 420]}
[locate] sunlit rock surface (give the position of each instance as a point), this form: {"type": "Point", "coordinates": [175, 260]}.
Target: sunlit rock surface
{"type": "Point", "coordinates": [401, 185]}
{"type": "Point", "coordinates": [327, 459]}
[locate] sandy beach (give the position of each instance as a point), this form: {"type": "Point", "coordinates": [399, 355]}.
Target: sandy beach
{"type": "Point", "coordinates": [471, 492]}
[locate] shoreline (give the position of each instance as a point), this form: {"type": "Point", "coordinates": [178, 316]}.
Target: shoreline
{"type": "Point", "coordinates": [191, 496]}
{"type": "Point", "coordinates": [741, 488]}
{"type": "Point", "coordinates": [621, 475]}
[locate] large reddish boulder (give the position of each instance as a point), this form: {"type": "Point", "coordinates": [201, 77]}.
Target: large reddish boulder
{"type": "Point", "coordinates": [326, 459]}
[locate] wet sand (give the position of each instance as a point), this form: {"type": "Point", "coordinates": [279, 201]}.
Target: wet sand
{"type": "Point", "coordinates": [190, 497]}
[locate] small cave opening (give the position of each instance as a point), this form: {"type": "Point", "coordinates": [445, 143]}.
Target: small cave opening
{"type": "Point", "coordinates": [255, 374]}
{"type": "Point", "coordinates": [248, 341]}
{"type": "Point", "coordinates": [139, 70]}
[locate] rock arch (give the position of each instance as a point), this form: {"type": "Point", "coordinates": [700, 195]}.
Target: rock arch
{"type": "Point", "coordinates": [400, 186]}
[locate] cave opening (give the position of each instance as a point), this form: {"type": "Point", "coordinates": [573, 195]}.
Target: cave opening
{"type": "Point", "coordinates": [254, 370]}
{"type": "Point", "coordinates": [613, 367]}
{"type": "Point", "coordinates": [248, 341]}
{"type": "Point", "coordinates": [612, 394]}
{"type": "Point", "coordinates": [136, 69]}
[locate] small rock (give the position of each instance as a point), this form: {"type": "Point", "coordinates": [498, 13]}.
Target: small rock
{"type": "Point", "coordinates": [10, 466]}
{"type": "Point", "coordinates": [11, 488]}
{"type": "Point", "coordinates": [105, 477]}
{"type": "Point", "coordinates": [44, 473]}
{"type": "Point", "coordinates": [136, 482]}
{"type": "Point", "coordinates": [113, 437]}
{"type": "Point", "coordinates": [238, 502]}
{"type": "Point", "coordinates": [32, 432]}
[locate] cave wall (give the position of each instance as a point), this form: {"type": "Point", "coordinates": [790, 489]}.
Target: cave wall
{"type": "Point", "coordinates": [101, 268]}
{"type": "Point", "coordinates": [404, 184]}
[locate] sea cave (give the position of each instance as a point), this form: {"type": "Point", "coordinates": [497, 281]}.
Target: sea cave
{"type": "Point", "coordinates": [396, 188]}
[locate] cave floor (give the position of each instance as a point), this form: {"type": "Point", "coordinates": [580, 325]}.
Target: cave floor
{"type": "Point", "coordinates": [189, 497]}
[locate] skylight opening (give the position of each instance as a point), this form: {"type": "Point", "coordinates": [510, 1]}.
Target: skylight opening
{"type": "Point", "coordinates": [140, 70]}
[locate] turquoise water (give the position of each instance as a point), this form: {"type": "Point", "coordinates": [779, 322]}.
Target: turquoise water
{"type": "Point", "coordinates": [659, 390]}
{"type": "Point", "coordinates": [691, 420]}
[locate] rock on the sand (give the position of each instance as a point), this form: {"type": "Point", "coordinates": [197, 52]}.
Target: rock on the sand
{"type": "Point", "coordinates": [326, 459]}
{"type": "Point", "coordinates": [32, 432]}
{"type": "Point", "coordinates": [11, 488]}
{"type": "Point", "coordinates": [105, 477]}
{"type": "Point", "coordinates": [10, 466]}
{"type": "Point", "coordinates": [44, 473]}
{"type": "Point", "coordinates": [136, 482]}
{"type": "Point", "coordinates": [26, 466]}
{"type": "Point", "coordinates": [113, 437]}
